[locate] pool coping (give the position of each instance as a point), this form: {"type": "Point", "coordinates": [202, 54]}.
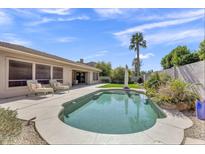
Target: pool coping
{"type": "Point", "coordinates": [169, 130]}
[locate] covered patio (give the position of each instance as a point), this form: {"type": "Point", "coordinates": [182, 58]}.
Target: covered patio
{"type": "Point", "coordinates": [82, 77]}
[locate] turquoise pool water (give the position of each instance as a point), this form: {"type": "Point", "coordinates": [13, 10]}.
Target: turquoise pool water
{"type": "Point", "coordinates": [111, 112]}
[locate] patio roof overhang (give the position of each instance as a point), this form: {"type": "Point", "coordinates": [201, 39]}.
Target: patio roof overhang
{"type": "Point", "coordinates": [17, 49]}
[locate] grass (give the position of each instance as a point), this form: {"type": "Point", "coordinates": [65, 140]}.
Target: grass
{"type": "Point", "coordinates": [114, 85]}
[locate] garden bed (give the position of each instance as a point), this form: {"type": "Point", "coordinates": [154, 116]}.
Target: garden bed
{"type": "Point", "coordinates": [28, 135]}
{"type": "Point", "coordinates": [197, 131]}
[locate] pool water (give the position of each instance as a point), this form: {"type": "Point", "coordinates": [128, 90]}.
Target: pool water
{"type": "Point", "coordinates": [111, 112]}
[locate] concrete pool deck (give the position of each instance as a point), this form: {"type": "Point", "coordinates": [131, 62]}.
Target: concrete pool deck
{"type": "Point", "coordinates": [169, 130]}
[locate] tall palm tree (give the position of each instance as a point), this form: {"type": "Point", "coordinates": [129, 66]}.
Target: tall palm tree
{"type": "Point", "coordinates": [136, 42]}
{"type": "Point", "coordinates": [134, 63]}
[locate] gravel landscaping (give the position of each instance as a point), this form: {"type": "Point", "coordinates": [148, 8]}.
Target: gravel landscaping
{"type": "Point", "coordinates": [197, 131]}
{"type": "Point", "coordinates": [28, 135]}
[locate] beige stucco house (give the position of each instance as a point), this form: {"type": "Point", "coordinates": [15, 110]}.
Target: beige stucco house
{"type": "Point", "coordinates": [19, 64]}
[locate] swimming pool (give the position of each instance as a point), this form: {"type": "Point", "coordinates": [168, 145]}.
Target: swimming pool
{"type": "Point", "coordinates": [111, 112]}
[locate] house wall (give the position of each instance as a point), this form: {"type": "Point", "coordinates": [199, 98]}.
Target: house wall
{"type": "Point", "coordinates": [6, 91]}
{"type": "Point", "coordinates": [96, 81]}
{"type": "Point", "coordinates": [89, 77]}
{"type": "Point", "coordinates": [2, 72]}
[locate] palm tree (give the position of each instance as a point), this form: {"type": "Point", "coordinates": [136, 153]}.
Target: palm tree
{"type": "Point", "coordinates": [134, 63]}
{"type": "Point", "coordinates": [136, 42]}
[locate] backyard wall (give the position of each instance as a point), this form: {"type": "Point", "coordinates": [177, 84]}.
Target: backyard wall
{"type": "Point", "coordinates": [192, 73]}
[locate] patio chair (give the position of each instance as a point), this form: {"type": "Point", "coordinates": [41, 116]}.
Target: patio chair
{"type": "Point", "coordinates": [36, 88]}
{"type": "Point", "coordinates": [57, 86]}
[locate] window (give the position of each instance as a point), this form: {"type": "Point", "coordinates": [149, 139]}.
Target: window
{"type": "Point", "coordinates": [95, 76]}
{"type": "Point", "coordinates": [19, 73]}
{"type": "Point", "coordinates": [43, 73]}
{"type": "Point", "coordinates": [58, 74]}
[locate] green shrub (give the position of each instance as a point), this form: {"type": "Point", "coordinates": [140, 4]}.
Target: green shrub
{"type": "Point", "coordinates": [201, 51]}
{"type": "Point", "coordinates": [9, 125]}
{"type": "Point", "coordinates": [176, 92]}
{"type": "Point", "coordinates": [163, 89]}
{"type": "Point", "coordinates": [156, 80]}
{"type": "Point", "coordinates": [190, 58]}
{"type": "Point", "coordinates": [153, 81]}
{"type": "Point", "coordinates": [118, 75]}
{"type": "Point", "coordinates": [105, 80]}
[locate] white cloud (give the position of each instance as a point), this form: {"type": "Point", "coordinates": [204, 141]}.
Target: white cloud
{"type": "Point", "coordinates": [144, 15]}
{"type": "Point", "coordinates": [60, 11]}
{"type": "Point", "coordinates": [83, 17]}
{"type": "Point", "coordinates": [153, 25]}
{"type": "Point", "coordinates": [108, 12]}
{"type": "Point", "coordinates": [97, 54]}
{"type": "Point", "coordinates": [26, 13]}
{"type": "Point", "coordinates": [176, 36]}
{"type": "Point", "coordinates": [47, 20]}
{"type": "Point", "coordinates": [168, 37]}
{"type": "Point", "coordinates": [12, 38]}
{"type": "Point", "coordinates": [41, 21]}
{"type": "Point", "coordinates": [176, 15]}
{"type": "Point", "coordinates": [124, 35]}
{"type": "Point", "coordinates": [4, 18]}
{"type": "Point", "coordinates": [65, 39]}
{"type": "Point", "coordinates": [117, 13]}
{"type": "Point", "coordinates": [146, 56]}
{"type": "Point", "coordinates": [186, 14]}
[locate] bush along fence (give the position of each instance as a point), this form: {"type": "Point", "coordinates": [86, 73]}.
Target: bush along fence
{"type": "Point", "coordinates": [190, 73]}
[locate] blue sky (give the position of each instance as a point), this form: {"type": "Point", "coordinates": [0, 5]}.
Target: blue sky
{"type": "Point", "coordinates": [103, 34]}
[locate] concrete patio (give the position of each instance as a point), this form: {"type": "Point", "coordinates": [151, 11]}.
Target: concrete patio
{"type": "Point", "coordinates": [169, 130]}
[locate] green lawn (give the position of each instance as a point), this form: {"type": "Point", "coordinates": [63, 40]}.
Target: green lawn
{"type": "Point", "coordinates": [113, 85]}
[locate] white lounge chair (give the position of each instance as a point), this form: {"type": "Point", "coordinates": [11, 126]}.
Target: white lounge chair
{"type": "Point", "coordinates": [57, 86]}
{"type": "Point", "coordinates": [36, 88]}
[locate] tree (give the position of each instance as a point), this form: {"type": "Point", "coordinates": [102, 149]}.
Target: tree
{"type": "Point", "coordinates": [136, 42]}
{"type": "Point", "coordinates": [177, 55]}
{"type": "Point", "coordinates": [118, 75]}
{"type": "Point", "coordinates": [180, 55]}
{"type": "Point", "coordinates": [134, 63]}
{"type": "Point", "coordinates": [201, 51]}
{"type": "Point", "coordinates": [147, 72]}
{"type": "Point", "coordinates": [190, 58]}
{"type": "Point", "coordinates": [105, 67]}
{"type": "Point", "coordinates": [166, 61]}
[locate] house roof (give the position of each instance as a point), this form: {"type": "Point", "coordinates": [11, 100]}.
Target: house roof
{"type": "Point", "coordinates": [44, 54]}
{"type": "Point", "coordinates": [91, 63]}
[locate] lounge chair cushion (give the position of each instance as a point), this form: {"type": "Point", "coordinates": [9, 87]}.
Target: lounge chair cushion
{"type": "Point", "coordinates": [38, 85]}
{"type": "Point", "coordinates": [44, 90]}
{"type": "Point", "coordinates": [57, 84]}
{"type": "Point", "coordinates": [62, 88]}
{"type": "Point", "coordinates": [33, 86]}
